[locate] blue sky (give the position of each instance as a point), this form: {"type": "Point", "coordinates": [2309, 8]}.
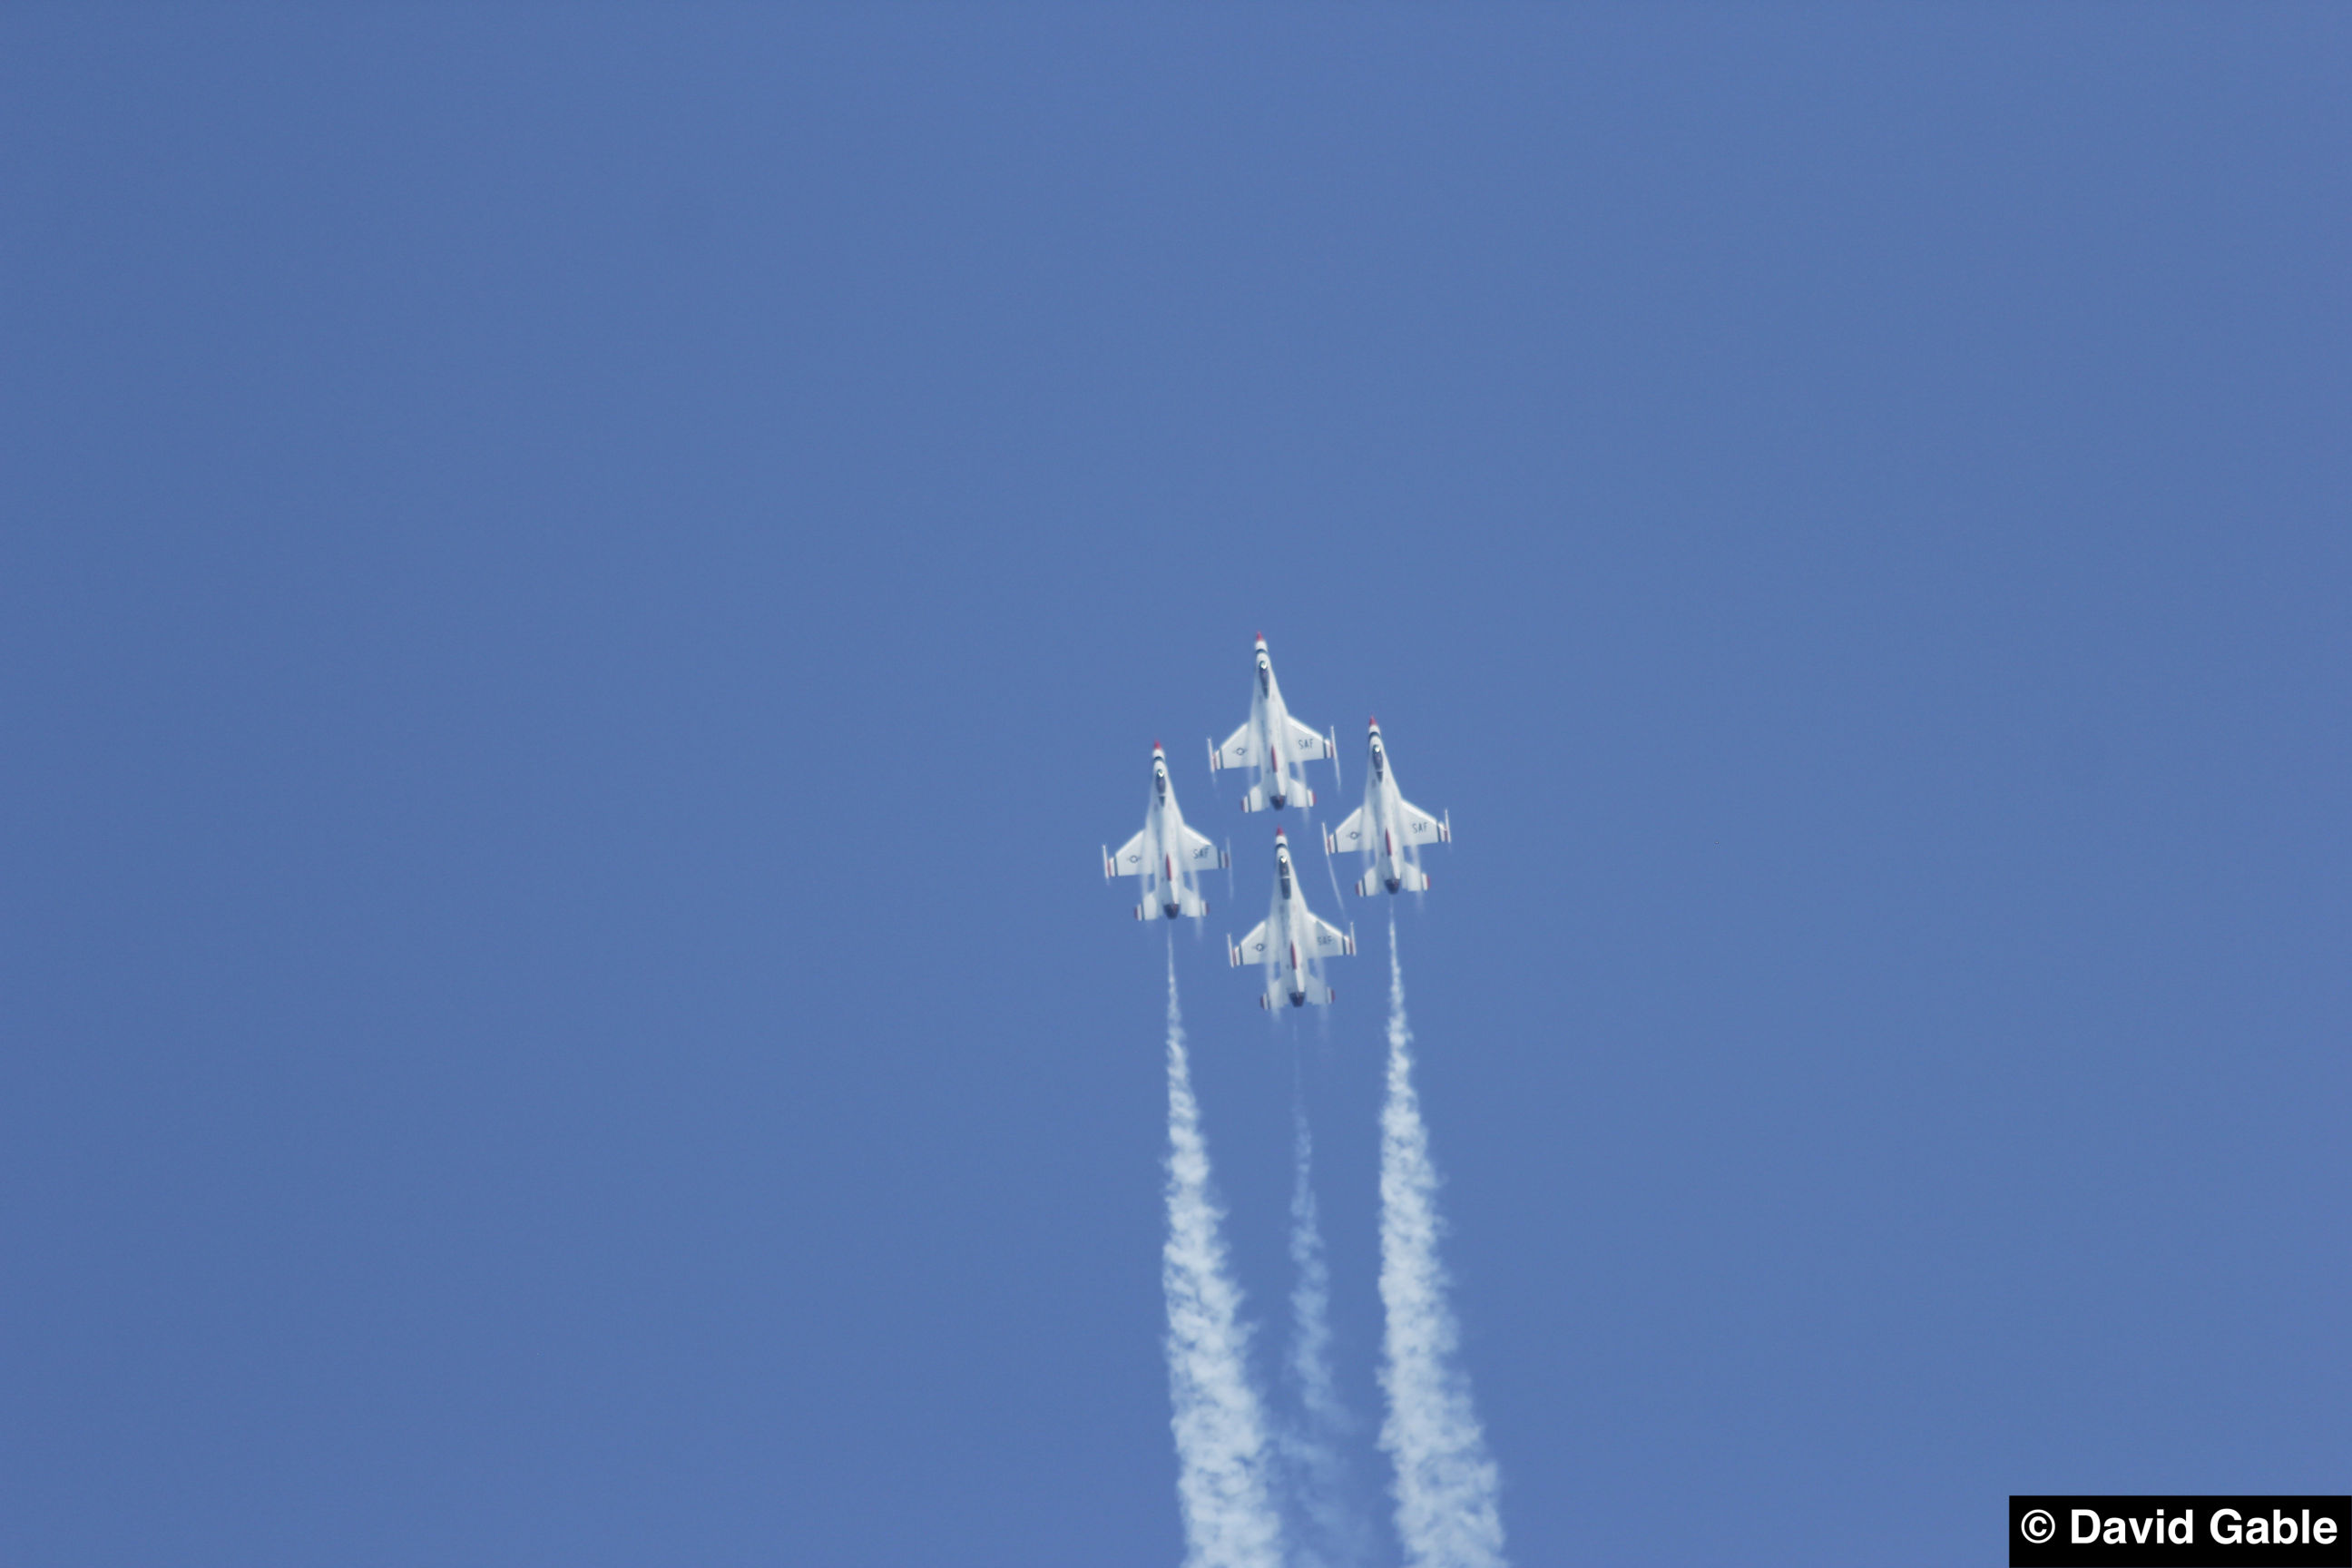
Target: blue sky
{"type": "Point", "coordinates": [579, 591]}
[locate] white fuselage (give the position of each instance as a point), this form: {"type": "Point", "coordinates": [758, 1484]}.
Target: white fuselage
{"type": "Point", "coordinates": [1292, 970]}
{"type": "Point", "coordinates": [1282, 773]}
{"type": "Point", "coordinates": [1163, 837]}
{"type": "Point", "coordinates": [1393, 856]}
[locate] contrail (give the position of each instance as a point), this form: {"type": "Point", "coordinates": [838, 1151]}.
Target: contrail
{"type": "Point", "coordinates": [1334, 1535]}
{"type": "Point", "coordinates": [1447, 1511]}
{"type": "Point", "coordinates": [1220, 1449]}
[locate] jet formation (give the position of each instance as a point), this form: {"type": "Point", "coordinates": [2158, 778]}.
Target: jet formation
{"type": "Point", "coordinates": [1292, 942]}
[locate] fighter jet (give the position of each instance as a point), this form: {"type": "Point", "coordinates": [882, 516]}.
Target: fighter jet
{"type": "Point", "coordinates": [1389, 828]}
{"type": "Point", "coordinates": [1166, 854]}
{"type": "Point", "coordinates": [1276, 744]}
{"type": "Point", "coordinates": [1290, 941]}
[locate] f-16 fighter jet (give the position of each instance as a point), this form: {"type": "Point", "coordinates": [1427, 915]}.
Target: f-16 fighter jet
{"type": "Point", "coordinates": [1290, 941]}
{"type": "Point", "coordinates": [1274, 744]}
{"type": "Point", "coordinates": [1389, 828]}
{"type": "Point", "coordinates": [1166, 854]}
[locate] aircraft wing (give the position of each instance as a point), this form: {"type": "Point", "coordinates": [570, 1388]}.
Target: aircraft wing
{"type": "Point", "coordinates": [1128, 860]}
{"type": "Point", "coordinates": [1329, 940]}
{"type": "Point", "coordinates": [1421, 828]}
{"type": "Point", "coordinates": [1348, 836]}
{"type": "Point", "coordinates": [1251, 949]}
{"type": "Point", "coordinates": [1306, 745]}
{"type": "Point", "coordinates": [1199, 854]}
{"type": "Point", "coordinates": [1237, 751]}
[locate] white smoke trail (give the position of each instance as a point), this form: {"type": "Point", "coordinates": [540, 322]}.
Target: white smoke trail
{"type": "Point", "coordinates": [1220, 1449]}
{"type": "Point", "coordinates": [1446, 1509]}
{"type": "Point", "coordinates": [1334, 1533]}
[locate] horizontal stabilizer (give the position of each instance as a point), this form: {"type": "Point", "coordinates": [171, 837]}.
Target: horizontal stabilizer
{"type": "Point", "coordinates": [1294, 796]}
{"type": "Point", "coordinates": [1411, 879]}
{"type": "Point", "coordinates": [1187, 903]}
